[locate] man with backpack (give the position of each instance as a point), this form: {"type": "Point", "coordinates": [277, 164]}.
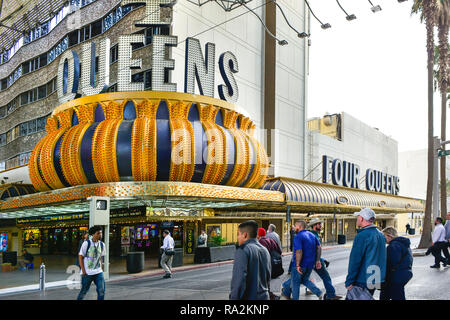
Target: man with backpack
{"type": "Point", "coordinates": [275, 257]}
{"type": "Point", "coordinates": [316, 226]}
{"type": "Point", "coordinates": [90, 259]}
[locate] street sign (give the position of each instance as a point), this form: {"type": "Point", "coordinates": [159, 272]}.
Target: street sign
{"type": "Point", "coordinates": [443, 153]}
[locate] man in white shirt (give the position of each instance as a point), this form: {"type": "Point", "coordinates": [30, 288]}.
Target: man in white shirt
{"type": "Point", "coordinates": [90, 259]}
{"type": "Point", "coordinates": [168, 253]}
{"type": "Point", "coordinates": [439, 244]}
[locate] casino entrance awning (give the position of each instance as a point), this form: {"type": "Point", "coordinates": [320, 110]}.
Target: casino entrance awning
{"type": "Point", "coordinates": [276, 195]}
{"type": "Point", "coordinates": [132, 194]}
{"type": "Point", "coordinates": [302, 195]}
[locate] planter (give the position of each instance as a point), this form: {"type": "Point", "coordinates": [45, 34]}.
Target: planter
{"type": "Point", "coordinates": [6, 267]}
{"type": "Point", "coordinates": [222, 253]}
{"type": "Point", "coordinates": [214, 254]}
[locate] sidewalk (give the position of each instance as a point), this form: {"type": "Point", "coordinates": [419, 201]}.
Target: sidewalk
{"type": "Point", "coordinates": [56, 276]}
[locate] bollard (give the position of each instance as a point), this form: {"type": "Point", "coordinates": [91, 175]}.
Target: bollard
{"type": "Point", "coordinates": [42, 277]}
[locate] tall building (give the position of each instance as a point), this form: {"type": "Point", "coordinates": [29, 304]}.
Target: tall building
{"type": "Point", "coordinates": [271, 79]}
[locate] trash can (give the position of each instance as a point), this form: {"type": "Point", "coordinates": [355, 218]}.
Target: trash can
{"type": "Point", "coordinates": [412, 231]}
{"type": "Point", "coordinates": [10, 257]}
{"type": "Point", "coordinates": [341, 239]}
{"type": "Point", "coordinates": [135, 262]}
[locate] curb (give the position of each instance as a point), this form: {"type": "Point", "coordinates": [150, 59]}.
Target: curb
{"type": "Point", "coordinates": [151, 273]}
{"type": "Point", "coordinates": [174, 270]}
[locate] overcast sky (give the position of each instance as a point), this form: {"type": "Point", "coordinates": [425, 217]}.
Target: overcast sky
{"type": "Point", "coordinates": [373, 68]}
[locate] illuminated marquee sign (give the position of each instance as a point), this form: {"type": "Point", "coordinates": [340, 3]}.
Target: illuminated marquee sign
{"type": "Point", "coordinates": [74, 82]}
{"type": "Point", "coordinates": [344, 173]}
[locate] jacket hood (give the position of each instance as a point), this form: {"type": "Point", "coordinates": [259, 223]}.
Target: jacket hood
{"type": "Point", "coordinates": [402, 240]}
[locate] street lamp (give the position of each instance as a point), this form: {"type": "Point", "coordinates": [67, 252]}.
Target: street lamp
{"type": "Point", "coordinates": [280, 42]}
{"type": "Point", "coordinates": [322, 25]}
{"type": "Point", "coordinates": [349, 17]}
{"type": "Point", "coordinates": [374, 8]}
{"type": "Point", "coordinates": [299, 34]}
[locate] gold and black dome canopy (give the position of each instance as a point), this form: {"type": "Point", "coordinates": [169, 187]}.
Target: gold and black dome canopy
{"type": "Point", "coordinates": [148, 136]}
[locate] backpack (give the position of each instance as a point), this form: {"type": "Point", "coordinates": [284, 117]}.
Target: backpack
{"type": "Point", "coordinates": [277, 264]}
{"type": "Point", "coordinates": [89, 245]}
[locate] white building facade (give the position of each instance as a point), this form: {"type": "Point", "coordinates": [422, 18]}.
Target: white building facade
{"type": "Point", "coordinates": [344, 137]}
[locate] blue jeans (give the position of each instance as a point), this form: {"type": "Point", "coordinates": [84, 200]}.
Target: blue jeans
{"type": "Point", "coordinates": [86, 281]}
{"type": "Point", "coordinates": [293, 284]}
{"type": "Point", "coordinates": [325, 276]}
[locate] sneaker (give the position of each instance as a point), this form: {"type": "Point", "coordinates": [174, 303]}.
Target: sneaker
{"type": "Point", "coordinates": [437, 266]}
{"type": "Point", "coordinates": [167, 275]}
{"type": "Point", "coordinates": [308, 293]}
{"type": "Point", "coordinates": [322, 296]}
{"type": "Point", "coordinates": [327, 263]}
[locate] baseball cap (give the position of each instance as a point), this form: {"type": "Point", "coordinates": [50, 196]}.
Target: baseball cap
{"type": "Point", "coordinates": [261, 232]}
{"type": "Point", "coordinates": [314, 221]}
{"type": "Point", "coordinates": [366, 214]}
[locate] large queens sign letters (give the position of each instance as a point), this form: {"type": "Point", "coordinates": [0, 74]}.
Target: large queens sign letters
{"type": "Point", "coordinates": [344, 173]}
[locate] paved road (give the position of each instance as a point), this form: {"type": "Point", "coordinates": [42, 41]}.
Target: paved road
{"type": "Point", "coordinates": [213, 283]}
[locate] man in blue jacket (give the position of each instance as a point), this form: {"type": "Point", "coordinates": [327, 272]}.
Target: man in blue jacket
{"type": "Point", "coordinates": [252, 267]}
{"type": "Point", "coordinates": [367, 264]}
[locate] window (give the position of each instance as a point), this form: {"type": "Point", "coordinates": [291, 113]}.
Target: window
{"type": "Point", "coordinates": [148, 80]}
{"type": "Point", "coordinates": [26, 67]}
{"type": "Point", "coordinates": [86, 33]}
{"type": "Point", "coordinates": [32, 126]}
{"type": "Point", "coordinates": [23, 129]}
{"type": "Point", "coordinates": [2, 112]}
{"type": "Point", "coordinates": [74, 38]}
{"type": "Point", "coordinates": [138, 77]}
{"type": "Point", "coordinates": [97, 62]}
{"type": "Point", "coordinates": [114, 53]}
{"type": "Point", "coordinates": [2, 139]}
{"type": "Point", "coordinates": [51, 86]}
{"type": "Point", "coordinates": [43, 60]}
{"type": "Point", "coordinates": [96, 28]}
{"type": "Point", "coordinates": [42, 92]}
{"type": "Point", "coordinates": [41, 123]}
{"type": "Point", "coordinates": [24, 98]}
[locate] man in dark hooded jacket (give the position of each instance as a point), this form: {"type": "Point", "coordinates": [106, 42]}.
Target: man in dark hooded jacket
{"type": "Point", "coordinates": [399, 262]}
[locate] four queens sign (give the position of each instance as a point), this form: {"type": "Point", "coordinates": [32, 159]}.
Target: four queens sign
{"type": "Point", "coordinates": [344, 173]}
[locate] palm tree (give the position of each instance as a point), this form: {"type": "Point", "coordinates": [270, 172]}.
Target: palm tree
{"type": "Point", "coordinates": [442, 19]}
{"type": "Point", "coordinates": [428, 9]}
